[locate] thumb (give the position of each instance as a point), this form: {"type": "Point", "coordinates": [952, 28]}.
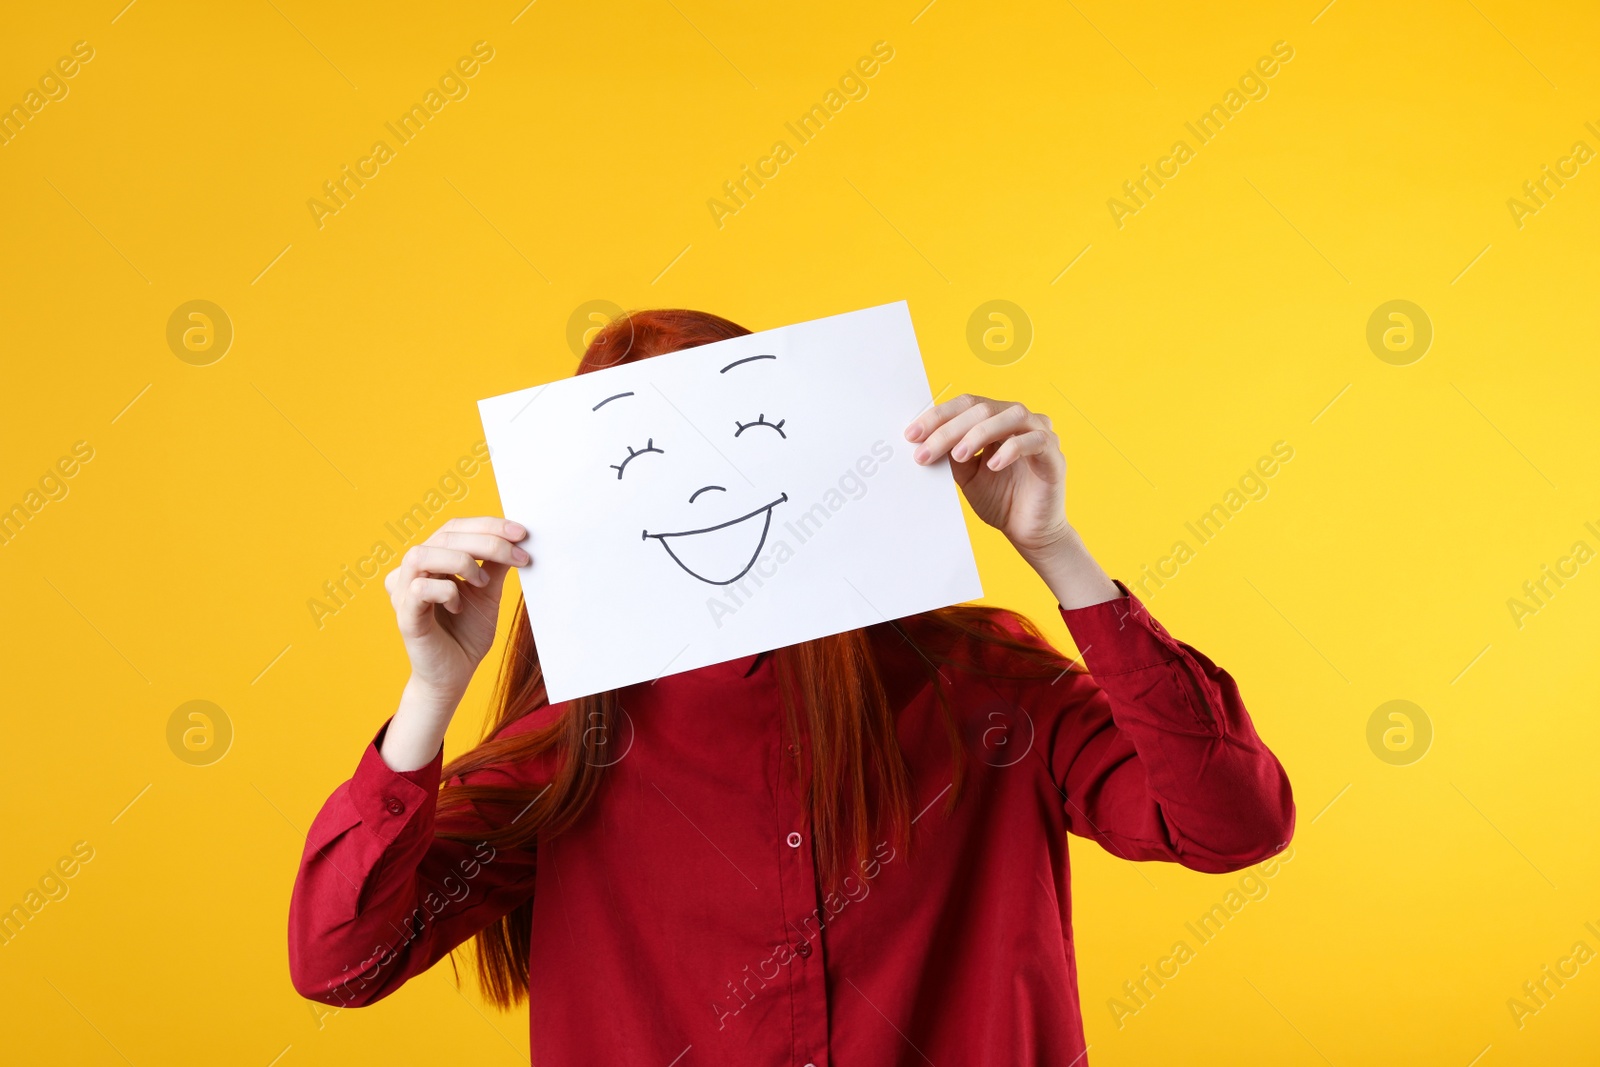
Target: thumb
{"type": "Point", "coordinates": [964, 470]}
{"type": "Point", "coordinates": [497, 577]}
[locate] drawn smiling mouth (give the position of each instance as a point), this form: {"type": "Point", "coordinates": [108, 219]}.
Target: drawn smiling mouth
{"type": "Point", "coordinates": [714, 550]}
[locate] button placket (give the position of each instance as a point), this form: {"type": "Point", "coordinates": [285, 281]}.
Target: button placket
{"type": "Point", "coordinates": [808, 980]}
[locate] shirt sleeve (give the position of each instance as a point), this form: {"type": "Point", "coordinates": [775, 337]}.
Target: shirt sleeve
{"type": "Point", "coordinates": [381, 897]}
{"type": "Point", "coordinates": [1155, 756]}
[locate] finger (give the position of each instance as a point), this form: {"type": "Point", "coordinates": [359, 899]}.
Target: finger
{"type": "Point", "coordinates": [1014, 418]}
{"type": "Point", "coordinates": [481, 546]}
{"type": "Point", "coordinates": [432, 561]}
{"type": "Point", "coordinates": [487, 524]}
{"type": "Point", "coordinates": [925, 423]}
{"type": "Point", "coordinates": [1036, 445]}
{"type": "Point", "coordinates": [423, 593]}
{"type": "Point", "coordinates": [942, 438]}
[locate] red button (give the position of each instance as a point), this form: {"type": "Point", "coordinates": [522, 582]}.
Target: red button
{"type": "Point", "coordinates": [394, 806]}
{"type": "Point", "coordinates": [803, 949]}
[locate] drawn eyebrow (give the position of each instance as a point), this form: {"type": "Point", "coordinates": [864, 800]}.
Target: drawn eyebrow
{"type": "Point", "coordinates": [608, 400]}
{"type": "Point", "coordinates": [747, 359]}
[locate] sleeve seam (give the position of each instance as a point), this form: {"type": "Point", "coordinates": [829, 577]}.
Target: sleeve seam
{"type": "Point", "coordinates": [1110, 835]}
{"type": "Point", "coordinates": [1130, 670]}
{"type": "Point", "coordinates": [1206, 718]}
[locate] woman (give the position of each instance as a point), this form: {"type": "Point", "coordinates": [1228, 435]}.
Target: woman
{"type": "Point", "coordinates": [851, 850]}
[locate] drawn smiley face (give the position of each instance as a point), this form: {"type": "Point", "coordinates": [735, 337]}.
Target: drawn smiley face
{"type": "Point", "coordinates": [723, 550]}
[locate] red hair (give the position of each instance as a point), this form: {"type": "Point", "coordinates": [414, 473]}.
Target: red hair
{"type": "Point", "coordinates": [860, 785]}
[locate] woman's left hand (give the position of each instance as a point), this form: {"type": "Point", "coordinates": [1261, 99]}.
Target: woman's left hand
{"type": "Point", "coordinates": [1008, 462]}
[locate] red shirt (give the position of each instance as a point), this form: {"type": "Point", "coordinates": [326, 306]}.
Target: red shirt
{"type": "Point", "coordinates": [680, 921]}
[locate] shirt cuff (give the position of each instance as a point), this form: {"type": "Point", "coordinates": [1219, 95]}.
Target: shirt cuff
{"type": "Point", "coordinates": [1120, 636]}
{"type": "Point", "coordinates": [389, 801]}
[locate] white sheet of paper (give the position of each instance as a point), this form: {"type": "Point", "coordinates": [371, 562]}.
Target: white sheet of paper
{"type": "Point", "coordinates": [726, 500]}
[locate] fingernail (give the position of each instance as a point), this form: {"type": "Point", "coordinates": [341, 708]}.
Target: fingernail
{"type": "Point", "coordinates": [913, 432]}
{"type": "Point", "coordinates": [959, 452]}
{"type": "Point", "coordinates": [920, 455]}
{"type": "Point", "coordinates": [521, 557]}
{"type": "Point", "coordinates": [516, 531]}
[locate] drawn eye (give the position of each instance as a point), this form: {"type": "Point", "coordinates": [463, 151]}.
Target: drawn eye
{"type": "Point", "coordinates": [761, 420]}
{"type": "Point", "coordinates": [649, 446]}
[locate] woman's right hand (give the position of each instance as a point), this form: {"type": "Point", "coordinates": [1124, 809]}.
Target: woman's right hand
{"type": "Point", "coordinates": [447, 603]}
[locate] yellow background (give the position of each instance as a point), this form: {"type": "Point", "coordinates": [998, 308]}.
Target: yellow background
{"type": "Point", "coordinates": [1226, 315]}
